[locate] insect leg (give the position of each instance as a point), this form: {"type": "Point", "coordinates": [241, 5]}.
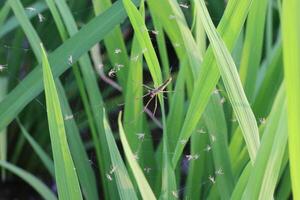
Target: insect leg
{"type": "Point", "coordinates": [155, 107]}
{"type": "Point", "coordinates": [148, 103]}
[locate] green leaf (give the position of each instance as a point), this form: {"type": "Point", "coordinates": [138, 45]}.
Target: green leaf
{"type": "Point", "coordinates": [4, 13]}
{"type": "Point", "coordinates": [253, 46]}
{"type": "Point", "coordinates": [291, 51]}
{"type": "Point", "coordinates": [38, 149]}
{"type": "Point", "coordinates": [3, 132]}
{"type": "Point", "coordinates": [13, 22]}
{"type": "Point", "coordinates": [140, 178]}
{"type": "Point", "coordinates": [114, 41]}
{"type": "Point", "coordinates": [39, 186]}
{"type": "Point", "coordinates": [118, 168]}
{"type": "Point", "coordinates": [175, 25]}
{"type": "Point", "coordinates": [95, 31]}
{"type": "Point", "coordinates": [264, 175]}
{"type": "Point", "coordinates": [229, 28]}
{"type": "Point", "coordinates": [233, 85]}
{"type": "Point", "coordinates": [216, 125]}
{"type": "Point", "coordinates": [269, 79]}
{"type": "Point", "coordinates": [91, 94]}
{"type": "Point", "coordinates": [143, 37]}
{"type": "Point", "coordinates": [141, 31]}
{"type": "Point", "coordinates": [84, 170]}
{"type": "Point", "coordinates": [82, 163]}
{"type": "Point", "coordinates": [65, 171]}
{"type": "Point", "coordinates": [133, 116]}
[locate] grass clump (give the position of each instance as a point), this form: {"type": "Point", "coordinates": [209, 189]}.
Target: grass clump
{"type": "Point", "coordinates": [149, 100]}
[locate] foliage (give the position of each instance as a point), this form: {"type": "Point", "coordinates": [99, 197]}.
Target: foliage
{"type": "Point", "coordinates": [150, 99]}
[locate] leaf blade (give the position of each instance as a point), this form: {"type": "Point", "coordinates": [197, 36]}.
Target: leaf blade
{"type": "Point", "coordinates": [66, 176]}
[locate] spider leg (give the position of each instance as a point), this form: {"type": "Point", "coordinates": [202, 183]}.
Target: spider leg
{"type": "Point", "coordinates": [143, 96]}
{"type": "Point", "coordinates": [148, 103]}
{"type": "Point", "coordinates": [149, 88]}
{"type": "Point", "coordinates": [166, 91]}
{"type": "Point", "coordinates": [155, 107]}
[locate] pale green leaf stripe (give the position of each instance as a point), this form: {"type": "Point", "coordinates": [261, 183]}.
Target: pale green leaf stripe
{"type": "Point", "coordinates": [118, 168]}
{"type": "Point", "coordinates": [95, 31]}
{"type": "Point", "coordinates": [291, 58]}
{"type": "Point", "coordinates": [65, 172]}
{"type": "Point", "coordinates": [140, 178]}
{"type": "Point", "coordinates": [265, 172]}
{"type": "Point", "coordinates": [35, 183]}
{"type": "Point", "coordinates": [229, 27]}
{"type": "Point", "coordinates": [233, 85]}
{"type": "Point", "coordinates": [48, 163]}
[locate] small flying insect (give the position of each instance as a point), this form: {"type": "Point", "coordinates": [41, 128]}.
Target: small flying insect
{"type": "Point", "coordinates": [41, 17]}
{"type": "Point", "coordinates": [184, 5]}
{"type": "Point", "coordinates": [153, 93]}
{"type": "Point", "coordinates": [2, 67]}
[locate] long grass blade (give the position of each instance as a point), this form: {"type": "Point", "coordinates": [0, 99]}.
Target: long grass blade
{"type": "Point", "coordinates": [76, 46]}
{"type": "Point", "coordinates": [265, 172]}
{"type": "Point", "coordinates": [39, 186]}
{"type": "Point", "coordinates": [214, 119]}
{"type": "Point", "coordinates": [140, 178]}
{"type": "Point", "coordinates": [253, 46]}
{"type": "Point", "coordinates": [3, 133]}
{"type": "Point", "coordinates": [209, 73]}
{"type": "Point", "coordinates": [4, 13]}
{"type": "Point", "coordinates": [92, 93]}
{"type": "Point", "coordinates": [233, 85]}
{"type": "Point", "coordinates": [291, 51]}
{"type": "Point", "coordinates": [48, 163]}
{"type": "Point", "coordinates": [143, 37]}
{"type": "Point", "coordinates": [12, 23]}
{"type": "Point", "coordinates": [65, 171]}
{"type": "Point", "coordinates": [118, 168]}
{"type": "Point", "coordinates": [83, 169]}
{"type": "Point", "coordinates": [141, 31]}
{"type": "Point", "coordinates": [114, 42]}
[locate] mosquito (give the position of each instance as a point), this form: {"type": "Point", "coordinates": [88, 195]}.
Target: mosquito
{"type": "Point", "coordinates": [153, 93]}
{"type": "Point", "coordinates": [3, 67]}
